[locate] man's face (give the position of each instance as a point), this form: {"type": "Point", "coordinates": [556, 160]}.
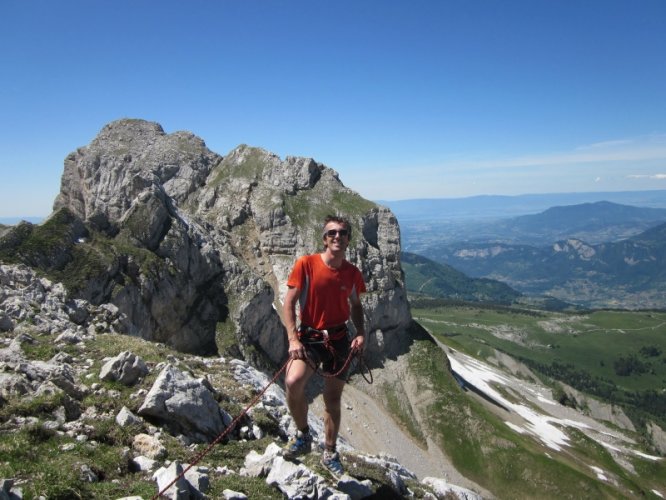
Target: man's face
{"type": "Point", "coordinates": [336, 236]}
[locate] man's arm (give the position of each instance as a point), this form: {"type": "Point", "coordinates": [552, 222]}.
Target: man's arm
{"type": "Point", "coordinates": [358, 320]}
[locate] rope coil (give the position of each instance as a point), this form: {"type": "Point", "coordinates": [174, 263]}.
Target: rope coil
{"type": "Point", "coordinates": [255, 400]}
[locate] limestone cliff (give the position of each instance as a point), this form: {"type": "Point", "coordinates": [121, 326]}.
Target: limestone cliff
{"type": "Point", "coordinates": [197, 247]}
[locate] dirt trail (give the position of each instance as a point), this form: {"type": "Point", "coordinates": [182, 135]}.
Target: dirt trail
{"type": "Point", "coordinates": [368, 429]}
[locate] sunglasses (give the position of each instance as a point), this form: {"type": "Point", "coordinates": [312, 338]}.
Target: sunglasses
{"type": "Point", "coordinates": [331, 233]}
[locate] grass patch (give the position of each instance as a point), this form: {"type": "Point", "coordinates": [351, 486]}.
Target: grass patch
{"type": "Point", "coordinates": [308, 208]}
{"type": "Point", "coordinates": [35, 458]}
{"type": "Point", "coordinates": [402, 410]}
{"type": "Point", "coordinates": [485, 450]}
{"type": "Point", "coordinates": [47, 463]}
{"type": "Point", "coordinates": [64, 250]}
{"type": "Point", "coordinates": [251, 168]}
{"type": "Point", "coordinates": [618, 356]}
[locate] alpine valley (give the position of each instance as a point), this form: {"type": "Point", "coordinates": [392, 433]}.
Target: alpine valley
{"type": "Point", "coordinates": [141, 317]}
{"type": "Point", "coordinates": [597, 254]}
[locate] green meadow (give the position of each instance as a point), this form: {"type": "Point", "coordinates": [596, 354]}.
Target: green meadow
{"type": "Point", "coordinates": [618, 356]}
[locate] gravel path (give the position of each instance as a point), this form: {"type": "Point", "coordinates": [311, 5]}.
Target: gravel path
{"type": "Point", "coordinates": [368, 429]}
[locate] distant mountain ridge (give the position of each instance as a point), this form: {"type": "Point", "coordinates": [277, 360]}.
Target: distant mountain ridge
{"type": "Point", "coordinates": [597, 222]}
{"type": "Point", "coordinates": [630, 273]}
{"type": "Point", "coordinates": [594, 223]}
{"type": "Point", "coordinates": [590, 214]}
{"type": "Point", "coordinates": [495, 206]}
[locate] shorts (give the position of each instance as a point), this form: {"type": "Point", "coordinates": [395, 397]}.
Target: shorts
{"type": "Point", "coordinates": [321, 355]}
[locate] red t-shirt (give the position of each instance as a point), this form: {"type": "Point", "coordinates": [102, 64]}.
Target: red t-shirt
{"type": "Point", "coordinates": [325, 292]}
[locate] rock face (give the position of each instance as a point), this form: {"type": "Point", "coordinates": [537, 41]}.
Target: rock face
{"type": "Point", "coordinates": [194, 248]}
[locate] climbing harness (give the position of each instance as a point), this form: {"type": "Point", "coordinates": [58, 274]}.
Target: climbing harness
{"type": "Point", "coordinates": [313, 336]}
{"type": "Point", "coordinates": [352, 353]}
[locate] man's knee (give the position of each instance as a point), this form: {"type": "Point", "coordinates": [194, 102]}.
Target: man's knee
{"type": "Point", "coordinates": [296, 378]}
{"type": "Point", "coordinates": [294, 385]}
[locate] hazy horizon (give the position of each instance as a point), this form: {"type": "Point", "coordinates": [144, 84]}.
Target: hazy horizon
{"type": "Point", "coordinates": [587, 197]}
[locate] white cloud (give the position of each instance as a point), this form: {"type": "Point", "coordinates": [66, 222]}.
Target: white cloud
{"type": "Point", "coordinates": [606, 144]}
{"type": "Point", "coordinates": [652, 147]}
{"type": "Point", "coordinates": [647, 176]}
{"type": "Point", "coordinates": [608, 164]}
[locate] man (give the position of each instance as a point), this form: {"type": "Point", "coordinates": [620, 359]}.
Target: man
{"type": "Point", "coordinates": [327, 288]}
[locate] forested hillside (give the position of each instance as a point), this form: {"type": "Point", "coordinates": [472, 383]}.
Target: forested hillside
{"type": "Point", "coordinates": [424, 276]}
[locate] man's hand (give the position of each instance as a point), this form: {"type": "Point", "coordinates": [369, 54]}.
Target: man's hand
{"type": "Point", "coordinates": [358, 343]}
{"type": "Point", "coordinates": [296, 349]}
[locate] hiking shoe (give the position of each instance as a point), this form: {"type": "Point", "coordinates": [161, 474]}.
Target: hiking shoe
{"type": "Point", "coordinates": [300, 444]}
{"type": "Point", "coordinates": [331, 460]}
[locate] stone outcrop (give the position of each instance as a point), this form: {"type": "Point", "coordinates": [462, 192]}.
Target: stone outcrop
{"type": "Point", "coordinates": [133, 163]}
{"type": "Point", "coordinates": [29, 299]}
{"type": "Point", "coordinates": [185, 405]}
{"type": "Point", "coordinates": [194, 248]}
{"type": "Point", "coordinates": [126, 368]}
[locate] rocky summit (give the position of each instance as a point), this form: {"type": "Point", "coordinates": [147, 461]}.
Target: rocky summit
{"type": "Point", "coordinates": [194, 248]}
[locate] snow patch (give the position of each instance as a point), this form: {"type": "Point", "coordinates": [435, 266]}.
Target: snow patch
{"type": "Point", "coordinates": [600, 473]}
{"type": "Point", "coordinates": [479, 375]}
{"type": "Point", "coordinates": [515, 427]}
{"type": "Point", "coordinates": [548, 429]}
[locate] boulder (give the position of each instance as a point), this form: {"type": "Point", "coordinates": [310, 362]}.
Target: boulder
{"type": "Point", "coordinates": [126, 368]}
{"type": "Point", "coordinates": [233, 495]}
{"type": "Point", "coordinates": [181, 489]}
{"type": "Point", "coordinates": [125, 418]}
{"type": "Point", "coordinates": [354, 488]}
{"type": "Point", "coordinates": [8, 492]}
{"type": "Point", "coordinates": [293, 480]}
{"type": "Point", "coordinates": [149, 446]}
{"type": "Point", "coordinates": [257, 465]}
{"type": "Point", "coordinates": [444, 489]}
{"type": "Point", "coordinates": [185, 405]}
{"type": "Point", "coordinates": [143, 464]}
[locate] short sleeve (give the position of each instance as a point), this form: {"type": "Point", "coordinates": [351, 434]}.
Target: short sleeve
{"type": "Point", "coordinates": [297, 275]}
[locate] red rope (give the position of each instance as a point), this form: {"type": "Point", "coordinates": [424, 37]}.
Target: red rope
{"type": "Point", "coordinates": [222, 435]}
{"type": "Point", "coordinates": [254, 401]}
{"type": "Point", "coordinates": [345, 365]}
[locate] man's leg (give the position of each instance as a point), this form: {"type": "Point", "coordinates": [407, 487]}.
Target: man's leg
{"type": "Point", "coordinates": [332, 414]}
{"type": "Point", "coordinates": [298, 374]}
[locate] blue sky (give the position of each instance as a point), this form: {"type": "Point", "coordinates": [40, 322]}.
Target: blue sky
{"type": "Point", "coordinates": [405, 99]}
